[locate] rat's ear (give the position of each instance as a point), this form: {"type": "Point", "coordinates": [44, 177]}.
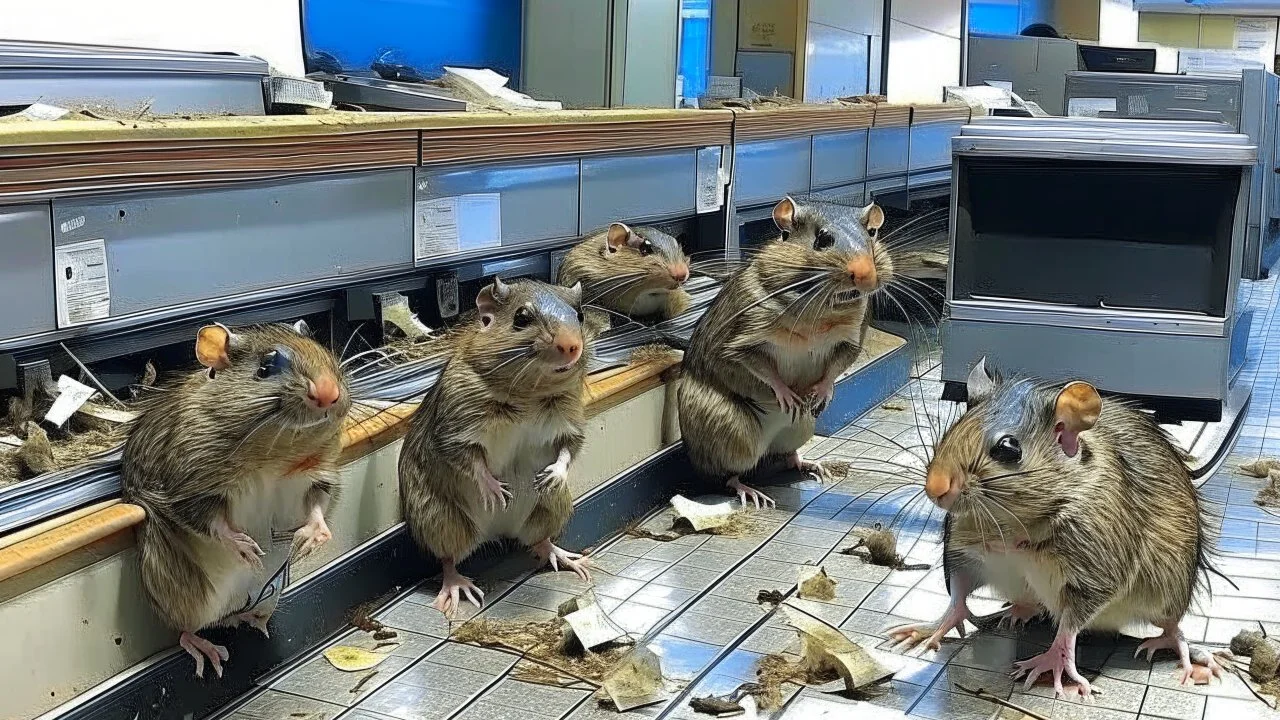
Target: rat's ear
{"type": "Point", "coordinates": [302, 329]}
{"type": "Point", "coordinates": [618, 236]}
{"type": "Point", "coordinates": [575, 294]}
{"type": "Point", "coordinates": [980, 382]}
{"type": "Point", "coordinates": [784, 214]}
{"type": "Point", "coordinates": [1076, 410]}
{"type": "Point", "coordinates": [491, 298]}
{"type": "Point", "coordinates": [213, 346]}
{"type": "Point", "coordinates": [872, 216]}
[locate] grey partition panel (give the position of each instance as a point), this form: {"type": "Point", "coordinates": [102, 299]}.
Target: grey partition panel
{"type": "Point", "coordinates": [931, 144]}
{"type": "Point", "coordinates": [887, 151]}
{"type": "Point", "coordinates": [1124, 362]}
{"type": "Point", "coordinates": [26, 271]}
{"type": "Point", "coordinates": [766, 170]}
{"type": "Point", "coordinates": [539, 200]}
{"type": "Point", "coordinates": [845, 195]}
{"type": "Point", "coordinates": [164, 249]}
{"type": "Point", "coordinates": [838, 158]}
{"type": "Point", "coordinates": [637, 187]}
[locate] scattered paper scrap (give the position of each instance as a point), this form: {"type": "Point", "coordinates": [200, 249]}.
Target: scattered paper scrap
{"type": "Point", "coordinates": [825, 649]}
{"type": "Point", "coordinates": [592, 627]}
{"type": "Point", "coordinates": [699, 516]}
{"type": "Point", "coordinates": [881, 548]}
{"type": "Point", "coordinates": [353, 659]}
{"type": "Point", "coordinates": [1261, 467]}
{"type": "Point", "coordinates": [815, 584]}
{"type": "Point", "coordinates": [637, 681]}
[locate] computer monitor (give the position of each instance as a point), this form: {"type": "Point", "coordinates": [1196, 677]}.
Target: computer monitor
{"type": "Point", "coordinates": [1112, 59]}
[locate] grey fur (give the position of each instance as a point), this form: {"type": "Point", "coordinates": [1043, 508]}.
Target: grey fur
{"type": "Point", "coordinates": [616, 279]}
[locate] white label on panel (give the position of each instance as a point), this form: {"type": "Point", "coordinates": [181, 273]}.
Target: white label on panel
{"type": "Point", "coordinates": [710, 188]}
{"type": "Point", "coordinates": [82, 282]}
{"type": "Point", "coordinates": [444, 226]}
{"type": "Point", "coordinates": [1090, 107]}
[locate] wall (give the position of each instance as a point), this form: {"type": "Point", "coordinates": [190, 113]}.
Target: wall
{"type": "Point", "coordinates": [269, 29]}
{"type": "Point", "coordinates": [924, 49]}
{"type": "Point", "coordinates": [842, 48]}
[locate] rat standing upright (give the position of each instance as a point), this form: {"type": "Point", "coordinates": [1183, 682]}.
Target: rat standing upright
{"type": "Point", "coordinates": [487, 453]}
{"type": "Point", "coordinates": [1066, 503]}
{"type": "Point", "coordinates": [219, 462]}
{"type": "Point", "coordinates": [763, 360]}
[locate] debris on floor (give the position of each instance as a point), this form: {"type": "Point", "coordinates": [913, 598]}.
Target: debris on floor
{"type": "Point", "coordinates": [894, 406]}
{"type": "Point", "coordinates": [354, 659]}
{"type": "Point", "coordinates": [1261, 467]}
{"type": "Point", "coordinates": [727, 706]}
{"type": "Point", "coordinates": [815, 584]}
{"type": "Point", "coordinates": [829, 662]}
{"type": "Point", "coordinates": [982, 694]}
{"type": "Point", "coordinates": [355, 689]}
{"type": "Point", "coordinates": [1264, 658]}
{"type": "Point", "coordinates": [881, 549]}
{"type": "Point", "coordinates": [723, 519]}
{"type": "Point", "coordinates": [1269, 495]}
{"type": "Point", "coordinates": [770, 597]}
{"type": "Point", "coordinates": [583, 645]}
{"type": "Point", "coordinates": [637, 681]}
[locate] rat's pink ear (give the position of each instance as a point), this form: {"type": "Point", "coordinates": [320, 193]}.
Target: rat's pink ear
{"type": "Point", "coordinates": [784, 214]}
{"type": "Point", "coordinates": [491, 298]}
{"type": "Point", "coordinates": [1076, 410]}
{"type": "Point", "coordinates": [213, 346]}
{"type": "Point", "coordinates": [872, 216]}
{"type": "Point", "coordinates": [620, 235]}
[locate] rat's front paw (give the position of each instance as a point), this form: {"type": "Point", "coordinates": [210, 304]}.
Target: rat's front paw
{"type": "Point", "coordinates": [821, 395]}
{"type": "Point", "coordinates": [309, 537]}
{"type": "Point", "coordinates": [247, 548]}
{"type": "Point", "coordinates": [552, 478]}
{"type": "Point", "coordinates": [494, 494]}
{"type": "Point", "coordinates": [788, 400]}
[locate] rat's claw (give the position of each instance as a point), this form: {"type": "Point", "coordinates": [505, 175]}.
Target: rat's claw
{"type": "Point", "coordinates": [494, 494]}
{"type": "Point", "coordinates": [199, 648]}
{"type": "Point", "coordinates": [452, 589]}
{"type": "Point", "coordinates": [247, 548]}
{"type": "Point", "coordinates": [748, 495]}
{"type": "Point", "coordinates": [552, 477]}
{"type": "Point", "coordinates": [548, 552]}
{"type": "Point", "coordinates": [309, 537]}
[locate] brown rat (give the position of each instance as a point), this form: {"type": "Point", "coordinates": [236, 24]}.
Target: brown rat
{"type": "Point", "coordinates": [639, 273]}
{"type": "Point", "coordinates": [488, 451]}
{"type": "Point", "coordinates": [222, 460]}
{"type": "Point", "coordinates": [764, 358]}
{"type": "Point", "coordinates": [1062, 501]}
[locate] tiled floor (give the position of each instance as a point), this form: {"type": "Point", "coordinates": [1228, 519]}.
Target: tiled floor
{"type": "Point", "coordinates": [694, 599]}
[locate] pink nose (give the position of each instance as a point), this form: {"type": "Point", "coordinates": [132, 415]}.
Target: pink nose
{"type": "Point", "coordinates": [324, 392]}
{"type": "Point", "coordinates": [569, 346]}
{"type": "Point", "coordinates": [943, 485]}
{"type": "Point", "coordinates": [680, 273]}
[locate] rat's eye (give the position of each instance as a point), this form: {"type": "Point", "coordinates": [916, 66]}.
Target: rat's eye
{"type": "Point", "coordinates": [1007, 450]}
{"type": "Point", "coordinates": [273, 363]}
{"type": "Point", "coordinates": [524, 318]}
{"type": "Point", "coordinates": [646, 248]}
{"type": "Point", "coordinates": [824, 240]}
{"type": "Point", "coordinates": [581, 317]}
{"type": "Point", "coordinates": [786, 234]}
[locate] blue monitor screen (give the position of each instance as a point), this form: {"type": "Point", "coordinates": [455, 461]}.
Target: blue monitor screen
{"type": "Point", "coordinates": [997, 18]}
{"type": "Point", "coordinates": [424, 35]}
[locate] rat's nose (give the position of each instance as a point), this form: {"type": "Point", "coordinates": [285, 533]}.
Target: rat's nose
{"type": "Point", "coordinates": [569, 345]}
{"type": "Point", "coordinates": [680, 273]}
{"type": "Point", "coordinates": [943, 485]}
{"type": "Point", "coordinates": [324, 392]}
{"type": "Point", "coordinates": [863, 273]}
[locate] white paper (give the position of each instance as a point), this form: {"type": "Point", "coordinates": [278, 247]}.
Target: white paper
{"type": "Point", "coordinates": [1002, 84]}
{"type": "Point", "coordinates": [40, 111]}
{"type": "Point", "coordinates": [444, 226]}
{"type": "Point", "coordinates": [110, 414]}
{"type": "Point", "coordinates": [495, 85]}
{"type": "Point", "coordinates": [710, 188]}
{"type": "Point", "coordinates": [71, 395]}
{"type": "Point", "coordinates": [11, 440]}
{"type": "Point", "coordinates": [82, 282]}
{"type": "Point", "coordinates": [1257, 35]}
{"type": "Point", "coordinates": [1217, 61]}
{"type": "Point", "coordinates": [1090, 107]}
{"type": "Point", "coordinates": [724, 86]}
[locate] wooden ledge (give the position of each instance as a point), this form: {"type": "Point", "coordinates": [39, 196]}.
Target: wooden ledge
{"type": "Point", "coordinates": [782, 122]}
{"type": "Point", "coordinates": [44, 543]}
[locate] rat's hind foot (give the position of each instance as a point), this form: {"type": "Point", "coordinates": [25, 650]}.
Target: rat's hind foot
{"type": "Point", "coordinates": [750, 495]}
{"type": "Point", "coordinates": [1058, 660]}
{"type": "Point", "coordinates": [199, 648]}
{"type": "Point", "coordinates": [1019, 614]}
{"type": "Point", "coordinates": [311, 536]}
{"type": "Point", "coordinates": [922, 637]}
{"type": "Point", "coordinates": [547, 552]}
{"type": "Point", "coordinates": [455, 586]}
{"type": "Point", "coordinates": [812, 467]}
{"type": "Point", "coordinates": [1200, 672]}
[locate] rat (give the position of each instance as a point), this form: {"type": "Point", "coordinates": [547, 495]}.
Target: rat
{"type": "Point", "coordinates": [764, 358]}
{"type": "Point", "coordinates": [222, 460]}
{"type": "Point", "coordinates": [639, 273]}
{"type": "Point", "coordinates": [1067, 504]}
{"type": "Point", "coordinates": [487, 453]}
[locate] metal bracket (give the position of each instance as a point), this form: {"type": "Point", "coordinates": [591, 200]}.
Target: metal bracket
{"type": "Point", "coordinates": [359, 304]}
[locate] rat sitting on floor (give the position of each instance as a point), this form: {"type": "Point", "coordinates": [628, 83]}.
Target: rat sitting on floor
{"type": "Point", "coordinates": [1064, 502]}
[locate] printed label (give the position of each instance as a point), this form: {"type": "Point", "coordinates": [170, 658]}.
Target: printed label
{"type": "Point", "coordinates": [71, 395]}
{"type": "Point", "coordinates": [74, 223]}
{"type": "Point", "coordinates": [710, 180]}
{"type": "Point", "coordinates": [82, 282]}
{"type": "Point", "coordinates": [444, 226]}
{"type": "Point", "coordinates": [1090, 107]}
